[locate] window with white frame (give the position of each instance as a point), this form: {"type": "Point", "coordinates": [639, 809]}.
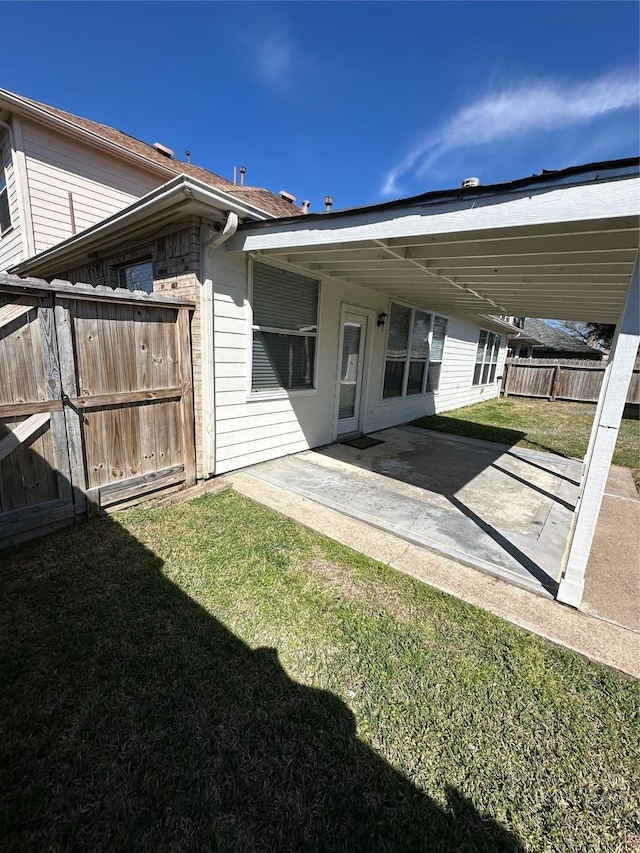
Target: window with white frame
{"type": "Point", "coordinates": [437, 351]}
{"type": "Point", "coordinates": [285, 328]}
{"type": "Point", "coordinates": [486, 358]}
{"type": "Point", "coordinates": [5, 216]}
{"type": "Point", "coordinates": [137, 276]}
{"type": "Point", "coordinates": [415, 346]}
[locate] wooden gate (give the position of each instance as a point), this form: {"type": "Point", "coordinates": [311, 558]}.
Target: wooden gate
{"type": "Point", "coordinates": [96, 402]}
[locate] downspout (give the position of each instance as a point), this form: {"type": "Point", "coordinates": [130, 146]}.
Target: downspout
{"type": "Point", "coordinates": [208, 344]}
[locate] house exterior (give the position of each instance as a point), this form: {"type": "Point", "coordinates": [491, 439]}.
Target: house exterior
{"type": "Point", "coordinates": [308, 328]}
{"type": "Point", "coordinates": [364, 361]}
{"type": "Point", "coordinates": [62, 173]}
{"type": "Point", "coordinates": [538, 339]}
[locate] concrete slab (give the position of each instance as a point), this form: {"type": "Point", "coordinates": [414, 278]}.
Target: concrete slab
{"type": "Point", "coordinates": [503, 510]}
{"type": "Point", "coordinates": [612, 581]}
{"type": "Point", "coordinates": [594, 638]}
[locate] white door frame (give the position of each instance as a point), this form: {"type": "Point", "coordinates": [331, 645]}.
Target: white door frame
{"type": "Point", "coordinates": [370, 314]}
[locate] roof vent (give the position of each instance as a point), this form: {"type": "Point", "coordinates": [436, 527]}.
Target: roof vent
{"type": "Point", "coordinates": [287, 197]}
{"type": "Point", "coordinates": [306, 204]}
{"type": "Point", "coordinates": [470, 182]}
{"type": "Point", "coordinates": [162, 149]}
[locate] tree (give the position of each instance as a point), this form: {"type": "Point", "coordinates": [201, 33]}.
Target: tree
{"type": "Point", "coordinates": [598, 335]}
{"type": "Point", "coordinates": [601, 334]}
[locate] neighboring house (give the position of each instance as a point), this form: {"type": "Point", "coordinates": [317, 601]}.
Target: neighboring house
{"type": "Point", "coordinates": [267, 338]}
{"type": "Point", "coordinates": [538, 339]}
{"type": "Point", "coordinates": [62, 173]}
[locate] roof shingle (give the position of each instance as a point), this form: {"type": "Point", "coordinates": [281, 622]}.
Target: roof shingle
{"type": "Point", "coordinates": [553, 338]}
{"type": "Point", "coordinates": [257, 196]}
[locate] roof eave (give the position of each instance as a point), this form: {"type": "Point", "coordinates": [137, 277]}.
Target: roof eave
{"type": "Point", "coordinates": [194, 196]}
{"type": "Point", "coordinates": [586, 173]}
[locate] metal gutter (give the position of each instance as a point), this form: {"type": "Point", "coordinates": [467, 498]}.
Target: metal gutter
{"type": "Point", "coordinates": [605, 170]}
{"type": "Point", "coordinates": [177, 190]}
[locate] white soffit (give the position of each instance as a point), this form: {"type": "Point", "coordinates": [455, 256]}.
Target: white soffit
{"type": "Point", "coordinates": [562, 251]}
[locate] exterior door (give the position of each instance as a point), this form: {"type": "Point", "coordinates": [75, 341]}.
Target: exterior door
{"type": "Point", "coordinates": [353, 338]}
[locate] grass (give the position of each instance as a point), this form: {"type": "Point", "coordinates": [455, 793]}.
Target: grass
{"type": "Point", "coordinates": [562, 428]}
{"type": "Point", "coordinates": [213, 677]}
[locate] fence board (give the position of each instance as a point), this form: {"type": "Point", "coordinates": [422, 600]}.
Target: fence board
{"type": "Point", "coordinates": [577, 380]}
{"type": "Point", "coordinates": [14, 310]}
{"type": "Point", "coordinates": [69, 386]}
{"type": "Point", "coordinates": [110, 374]}
{"type": "Point", "coordinates": [21, 433]}
{"type": "Point", "coordinates": [53, 389]}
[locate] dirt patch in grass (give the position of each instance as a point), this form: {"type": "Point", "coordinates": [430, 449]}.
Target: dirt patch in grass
{"type": "Point", "coordinates": [337, 577]}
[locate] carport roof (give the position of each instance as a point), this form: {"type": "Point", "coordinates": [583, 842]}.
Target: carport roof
{"type": "Point", "coordinates": [559, 245]}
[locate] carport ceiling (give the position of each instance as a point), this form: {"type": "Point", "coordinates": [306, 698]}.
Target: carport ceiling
{"type": "Point", "coordinates": [558, 246]}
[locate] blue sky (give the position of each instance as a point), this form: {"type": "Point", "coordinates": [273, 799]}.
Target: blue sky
{"type": "Point", "coordinates": [363, 101]}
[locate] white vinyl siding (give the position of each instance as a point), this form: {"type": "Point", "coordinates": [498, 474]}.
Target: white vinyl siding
{"type": "Point", "coordinates": [252, 429]}
{"type": "Point", "coordinates": [11, 239]}
{"type": "Point", "coordinates": [100, 184]}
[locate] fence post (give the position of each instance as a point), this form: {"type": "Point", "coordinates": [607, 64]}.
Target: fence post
{"type": "Point", "coordinates": [554, 383]}
{"type": "Point", "coordinates": [53, 391]}
{"type": "Point", "coordinates": [183, 335]}
{"type": "Point", "coordinates": [505, 384]}
{"type": "Point", "coordinates": [72, 417]}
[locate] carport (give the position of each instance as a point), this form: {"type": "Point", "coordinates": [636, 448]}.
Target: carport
{"type": "Point", "coordinates": [561, 245]}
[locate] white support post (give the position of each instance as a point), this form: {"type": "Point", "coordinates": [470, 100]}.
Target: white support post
{"type": "Point", "coordinates": [596, 418]}
{"type": "Point", "coordinates": [613, 396]}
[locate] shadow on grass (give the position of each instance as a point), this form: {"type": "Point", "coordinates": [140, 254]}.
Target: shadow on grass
{"type": "Point", "coordinates": [133, 719]}
{"type": "Point", "coordinates": [484, 432]}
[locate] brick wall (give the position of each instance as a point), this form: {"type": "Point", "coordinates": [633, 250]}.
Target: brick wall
{"type": "Point", "coordinates": [176, 270]}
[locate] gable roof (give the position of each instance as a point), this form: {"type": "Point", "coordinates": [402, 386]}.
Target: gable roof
{"type": "Point", "coordinates": [552, 338]}
{"type": "Point", "coordinates": [263, 198]}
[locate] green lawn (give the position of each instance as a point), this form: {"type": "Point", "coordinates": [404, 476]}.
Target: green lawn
{"type": "Point", "coordinates": [562, 428]}
{"type": "Point", "coordinates": [214, 677]}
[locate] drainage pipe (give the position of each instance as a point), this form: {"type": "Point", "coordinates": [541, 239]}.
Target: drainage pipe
{"type": "Point", "coordinates": [208, 344]}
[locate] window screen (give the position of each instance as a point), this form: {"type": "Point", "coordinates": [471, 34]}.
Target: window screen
{"type": "Point", "coordinates": [415, 347]}
{"type": "Point", "coordinates": [397, 350]}
{"type": "Point", "coordinates": [5, 216]}
{"type": "Point", "coordinates": [285, 325]}
{"type": "Point", "coordinates": [137, 276]}
{"type": "Point", "coordinates": [486, 358]}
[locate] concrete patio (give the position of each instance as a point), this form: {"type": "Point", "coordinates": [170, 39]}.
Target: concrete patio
{"type": "Point", "coordinates": [606, 629]}
{"type": "Point", "coordinates": [504, 510]}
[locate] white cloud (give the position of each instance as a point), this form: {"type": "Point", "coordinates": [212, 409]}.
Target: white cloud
{"type": "Point", "coordinates": [274, 59]}
{"type": "Point", "coordinates": [522, 110]}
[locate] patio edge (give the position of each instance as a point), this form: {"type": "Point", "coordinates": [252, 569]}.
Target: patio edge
{"type": "Point", "coordinates": [597, 640]}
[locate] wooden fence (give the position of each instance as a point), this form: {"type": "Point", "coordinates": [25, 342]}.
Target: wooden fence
{"type": "Point", "coordinates": [560, 379]}
{"type": "Point", "coordinates": [96, 402]}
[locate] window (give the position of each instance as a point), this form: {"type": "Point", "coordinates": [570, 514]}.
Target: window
{"type": "Point", "coordinates": [415, 345]}
{"type": "Point", "coordinates": [5, 216]}
{"type": "Point", "coordinates": [486, 358]}
{"type": "Point", "coordinates": [285, 328]}
{"type": "Point", "coordinates": [138, 276]}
